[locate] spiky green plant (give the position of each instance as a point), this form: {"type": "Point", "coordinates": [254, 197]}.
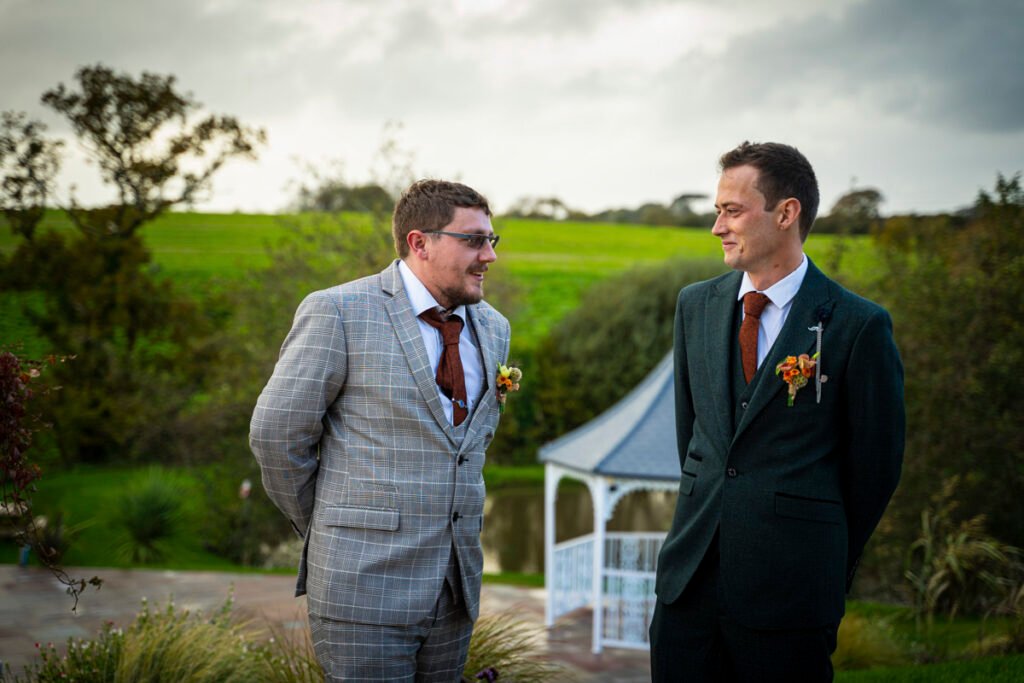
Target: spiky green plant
{"type": "Point", "coordinates": [511, 648]}
{"type": "Point", "coordinates": [955, 567]}
{"type": "Point", "coordinates": [149, 513]}
{"type": "Point", "coordinates": [168, 645]}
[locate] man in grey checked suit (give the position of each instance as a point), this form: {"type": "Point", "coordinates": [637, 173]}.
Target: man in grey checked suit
{"type": "Point", "coordinates": [359, 448]}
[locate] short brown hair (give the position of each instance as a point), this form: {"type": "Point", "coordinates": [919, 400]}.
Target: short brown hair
{"type": "Point", "coordinates": [429, 205]}
{"type": "Point", "coordinates": [783, 172]}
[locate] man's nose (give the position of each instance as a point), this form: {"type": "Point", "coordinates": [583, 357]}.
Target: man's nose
{"type": "Point", "coordinates": [487, 254]}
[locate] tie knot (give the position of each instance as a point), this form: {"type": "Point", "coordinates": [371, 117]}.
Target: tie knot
{"type": "Point", "coordinates": [449, 326]}
{"type": "Point", "coordinates": [754, 303]}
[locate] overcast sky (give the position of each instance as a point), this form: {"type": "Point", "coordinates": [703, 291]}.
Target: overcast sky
{"type": "Point", "coordinates": [603, 103]}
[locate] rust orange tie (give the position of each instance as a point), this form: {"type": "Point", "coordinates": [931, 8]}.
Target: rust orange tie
{"type": "Point", "coordinates": [450, 375]}
{"type": "Point", "coordinates": [753, 306]}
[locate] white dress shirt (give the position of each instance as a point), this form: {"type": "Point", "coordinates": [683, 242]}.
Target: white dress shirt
{"type": "Point", "coordinates": [773, 317]}
{"type": "Point", "coordinates": [422, 300]}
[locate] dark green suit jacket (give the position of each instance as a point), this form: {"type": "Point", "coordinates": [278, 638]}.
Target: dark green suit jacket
{"type": "Point", "coordinates": [794, 492]}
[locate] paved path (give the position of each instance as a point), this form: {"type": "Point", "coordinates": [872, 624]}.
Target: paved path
{"type": "Point", "coordinates": [34, 609]}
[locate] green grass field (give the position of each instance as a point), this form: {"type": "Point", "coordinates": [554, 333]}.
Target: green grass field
{"type": "Point", "coordinates": [1009, 669]}
{"type": "Point", "coordinates": [549, 264]}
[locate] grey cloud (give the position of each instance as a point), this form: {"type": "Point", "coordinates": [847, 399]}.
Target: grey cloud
{"type": "Point", "coordinates": [953, 62]}
{"type": "Point", "coordinates": [224, 52]}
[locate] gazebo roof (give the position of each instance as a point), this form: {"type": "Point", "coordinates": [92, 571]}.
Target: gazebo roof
{"type": "Point", "coordinates": [635, 438]}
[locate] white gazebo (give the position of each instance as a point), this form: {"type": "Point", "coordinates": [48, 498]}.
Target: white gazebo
{"type": "Point", "coordinates": [630, 447]}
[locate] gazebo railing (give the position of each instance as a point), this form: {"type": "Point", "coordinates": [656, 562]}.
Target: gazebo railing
{"type": "Point", "coordinates": [627, 577]}
{"type": "Point", "coordinates": [573, 575]}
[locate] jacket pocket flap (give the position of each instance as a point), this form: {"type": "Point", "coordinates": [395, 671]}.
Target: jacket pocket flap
{"type": "Point", "coordinates": [686, 483]}
{"type": "Point", "coordinates": [808, 508]}
{"type": "Point", "coordinates": [360, 518]}
{"type": "Point", "coordinates": [692, 463]}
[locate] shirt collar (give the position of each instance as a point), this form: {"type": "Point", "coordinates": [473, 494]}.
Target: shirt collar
{"type": "Point", "coordinates": [419, 296]}
{"type": "Point", "coordinates": [783, 291]}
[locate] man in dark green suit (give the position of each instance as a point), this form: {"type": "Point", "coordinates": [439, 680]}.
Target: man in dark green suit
{"type": "Point", "coordinates": [784, 475]}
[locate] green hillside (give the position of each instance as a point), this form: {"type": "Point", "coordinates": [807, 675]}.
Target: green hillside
{"type": "Point", "coordinates": [549, 264]}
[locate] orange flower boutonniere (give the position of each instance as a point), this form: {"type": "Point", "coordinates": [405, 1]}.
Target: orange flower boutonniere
{"type": "Point", "coordinates": [795, 371]}
{"type": "Point", "coordinates": [508, 380]}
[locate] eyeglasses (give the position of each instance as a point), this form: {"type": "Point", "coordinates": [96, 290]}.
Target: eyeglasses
{"type": "Point", "coordinates": [475, 241]}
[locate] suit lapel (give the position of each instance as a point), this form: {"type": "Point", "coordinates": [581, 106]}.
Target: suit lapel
{"type": "Point", "coordinates": [485, 339]}
{"type": "Point", "coordinates": [403, 320]}
{"type": "Point", "coordinates": [718, 337]}
{"type": "Point", "coordinates": [794, 338]}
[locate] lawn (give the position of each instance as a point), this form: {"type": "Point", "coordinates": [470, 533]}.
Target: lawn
{"type": "Point", "coordinates": [88, 497]}
{"type": "Point", "coordinates": [1008, 669]}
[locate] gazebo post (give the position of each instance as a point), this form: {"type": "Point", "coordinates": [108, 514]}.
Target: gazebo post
{"type": "Point", "coordinates": [598, 491]}
{"type": "Point", "coordinates": [551, 478]}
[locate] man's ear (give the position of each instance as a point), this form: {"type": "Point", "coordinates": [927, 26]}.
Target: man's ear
{"type": "Point", "coordinates": [417, 242]}
{"type": "Point", "coordinates": [789, 213]}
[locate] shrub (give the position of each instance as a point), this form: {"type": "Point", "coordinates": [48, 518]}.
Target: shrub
{"type": "Point", "coordinates": [150, 514]}
{"type": "Point", "coordinates": [52, 538]}
{"type": "Point", "coordinates": [600, 351]}
{"type": "Point", "coordinates": [956, 566]}
{"type": "Point", "coordinates": [864, 643]}
{"type": "Point", "coordinates": [172, 646]}
{"type": "Point", "coordinates": [963, 391]}
{"type": "Point", "coordinates": [505, 648]}
{"type": "Point", "coordinates": [239, 527]}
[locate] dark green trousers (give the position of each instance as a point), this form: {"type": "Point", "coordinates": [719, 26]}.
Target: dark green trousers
{"type": "Point", "coordinates": [692, 641]}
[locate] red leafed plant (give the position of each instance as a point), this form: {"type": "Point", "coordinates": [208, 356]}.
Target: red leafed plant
{"type": "Point", "coordinates": [18, 425]}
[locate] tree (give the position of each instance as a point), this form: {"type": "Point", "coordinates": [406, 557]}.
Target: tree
{"type": "Point", "coordinates": [135, 337]}
{"type": "Point", "coordinates": [543, 208]}
{"type": "Point", "coordinates": [681, 207]}
{"type": "Point", "coordinates": [329, 192]}
{"type": "Point", "coordinates": [653, 213]}
{"type": "Point", "coordinates": [28, 166]}
{"type": "Point", "coordinates": [855, 213]}
{"type": "Point", "coordinates": [138, 131]}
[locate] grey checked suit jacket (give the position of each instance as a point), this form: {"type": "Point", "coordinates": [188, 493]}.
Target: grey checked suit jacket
{"type": "Point", "coordinates": [354, 448]}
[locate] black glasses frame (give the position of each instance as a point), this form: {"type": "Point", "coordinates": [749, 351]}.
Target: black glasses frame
{"type": "Point", "coordinates": [475, 241]}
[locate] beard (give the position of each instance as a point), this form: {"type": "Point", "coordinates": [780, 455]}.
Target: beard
{"type": "Point", "coordinates": [463, 294]}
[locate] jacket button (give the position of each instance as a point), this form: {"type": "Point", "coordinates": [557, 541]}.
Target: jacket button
{"type": "Point", "coordinates": [732, 472]}
{"type": "Point", "coordinates": [455, 516]}
{"type": "Point", "coordinates": [461, 460]}
{"type": "Point", "coordinates": [744, 405]}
